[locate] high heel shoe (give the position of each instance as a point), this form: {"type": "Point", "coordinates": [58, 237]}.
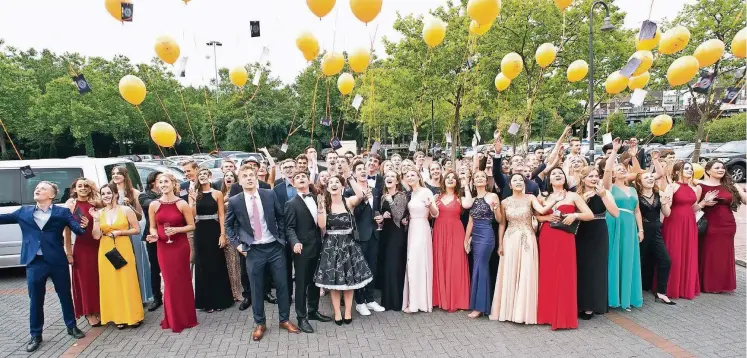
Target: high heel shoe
{"type": "Point", "coordinates": [348, 320]}
{"type": "Point", "coordinates": [661, 300]}
{"type": "Point", "coordinates": [339, 323]}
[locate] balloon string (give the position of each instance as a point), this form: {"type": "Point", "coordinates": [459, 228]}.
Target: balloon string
{"type": "Point", "coordinates": [210, 116]}
{"type": "Point", "coordinates": [246, 114]}
{"type": "Point", "coordinates": [293, 130]}
{"type": "Point", "coordinates": [186, 114]}
{"type": "Point", "coordinates": [10, 140]}
{"type": "Point", "coordinates": [147, 128]}
{"type": "Point", "coordinates": [651, 9]}
{"type": "Point", "coordinates": [335, 129]}
{"type": "Point", "coordinates": [328, 112]}
{"type": "Point", "coordinates": [313, 110]}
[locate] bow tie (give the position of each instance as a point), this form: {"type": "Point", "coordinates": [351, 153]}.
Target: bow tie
{"type": "Point", "coordinates": [304, 196]}
{"type": "Point", "coordinates": [372, 177]}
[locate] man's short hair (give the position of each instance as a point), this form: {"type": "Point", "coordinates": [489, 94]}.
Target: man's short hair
{"type": "Point", "coordinates": [190, 163]}
{"type": "Point", "coordinates": [606, 147]}
{"type": "Point", "coordinates": [574, 139]}
{"type": "Point", "coordinates": [356, 164]}
{"type": "Point", "coordinates": [330, 152]}
{"type": "Point", "coordinates": [302, 157]}
{"type": "Point", "coordinates": [55, 189]}
{"type": "Point", "coordinates": [227, 160]}
{"type": "Point", "coordinates": [286, 161]}
{"type": "Point", "coordinates": [350, 152]}
{"type": "Point", "coordinates": [375, 156]}
{"type": "Point", "coordinates": [306, 150]}
{"type": "Point", "coordinates": [299, 172]}
{"type": "Point", "coordinates": [247, 167]}
{"type": "Point", "coordinates": [395, 155]}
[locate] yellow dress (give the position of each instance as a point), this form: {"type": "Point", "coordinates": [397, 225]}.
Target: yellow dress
{"type": "Point", "coordinates": [120, 292]}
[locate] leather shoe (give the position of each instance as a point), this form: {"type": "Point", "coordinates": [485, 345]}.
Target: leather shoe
{"type": "Point", "coordinates": [75, 332]}
{"type": "Point", "coordinates": [259, 332]}
{"type": "Point", "coordinates": [305, 326]}
{"type": "Point", "coordinates": [33, 344]}
{"type": "Point", "coordinates": [245, 304]}
{"type": "Point", "coordinates": [290, 327]}
{"type": "Point", "coordinates": [155, 304]}
{"type": "Point", "coordinates": [316, 316]}
{"type": "Point", "coordinates": [270, 298]}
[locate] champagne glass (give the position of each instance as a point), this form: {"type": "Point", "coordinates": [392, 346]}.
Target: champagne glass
{"type": "Point", "coordinates": [381, 225]}
{"type": "Point", "coordinates": [166, 226]}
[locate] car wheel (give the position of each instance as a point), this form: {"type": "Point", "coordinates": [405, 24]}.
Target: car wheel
{"type": "Point", "coordinates": [737, 173]}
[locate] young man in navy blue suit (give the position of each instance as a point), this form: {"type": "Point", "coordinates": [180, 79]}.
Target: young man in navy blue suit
{"type": "Point", "coordinates": [43, 253]}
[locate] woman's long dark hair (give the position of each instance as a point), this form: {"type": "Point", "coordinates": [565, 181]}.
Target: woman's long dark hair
{"type": "Point", "coordinates": [199, 191]}
{"type": "Point", "coordinates": [225, 189]}
{"type": "Point", "coordinates": [458, 190]}
{"type": "Point", "coordinates": [728, 183]}
{"type": "Point", "coordinates": [677, 169]}
{"type": "Point", "coordinates": [129, 189]}
{"type": "Point", "coordinates": [549, 181]}
{"type": "Point", "coordinates": [328, 196]}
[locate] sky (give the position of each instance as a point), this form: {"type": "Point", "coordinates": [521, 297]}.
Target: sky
{"type": "Point", "coordinates": [85, 27]}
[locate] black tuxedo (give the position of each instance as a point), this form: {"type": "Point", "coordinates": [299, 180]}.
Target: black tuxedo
{"type": "Point", "coordinates": [281, 193]}
{"type": "Point", "coordinates": [301, 229]}
{"type": "Point", "coordinates": [369, 241]}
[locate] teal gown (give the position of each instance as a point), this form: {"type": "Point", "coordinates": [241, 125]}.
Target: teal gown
{"type": "Point", "coordinates": [624, 267]}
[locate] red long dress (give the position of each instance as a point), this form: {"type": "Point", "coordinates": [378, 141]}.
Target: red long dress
{"type": "Point", "coordinates": [173, 258]}
{"type": "Point", "coordinates": [557, 297]}
{"type": "Point", "coordinates": [450, 269]}
{"type": "Point", "coordinates": [680, 233]}
{"type": "Point", "coordinates": [716, 264]}
{"type": "Point", "coordinates": [85, 266]}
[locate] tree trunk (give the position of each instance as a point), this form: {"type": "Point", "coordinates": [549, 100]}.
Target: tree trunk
{"type": "Point", "coordinates": [4, 153]}
{"type": "Point", "coordinates": [699, 136]}
{"type": "Point", "coordinates": [455, 126]}
{"type": "Point", "coordinates": [89, 146]}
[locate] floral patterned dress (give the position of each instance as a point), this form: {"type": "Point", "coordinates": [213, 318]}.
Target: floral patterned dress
{"type": "Point", "coordinates": [341, 263]}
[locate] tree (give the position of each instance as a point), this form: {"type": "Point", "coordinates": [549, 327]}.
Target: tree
{"type": "Point", "coordinates": [17, 93]}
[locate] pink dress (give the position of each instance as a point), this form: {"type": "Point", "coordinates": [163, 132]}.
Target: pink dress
{"type": "Point", "coordinates": [680, 233]}
{"type": "Point", "coordinates": [418, 292]}
{"type": "Point", "coordinates": [450, 270]}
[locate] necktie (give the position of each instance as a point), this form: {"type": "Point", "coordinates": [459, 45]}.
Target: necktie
{"type": "Point", "coordinates": [256, 224]}
{"type": "Point", "coordinates": [371, 177]}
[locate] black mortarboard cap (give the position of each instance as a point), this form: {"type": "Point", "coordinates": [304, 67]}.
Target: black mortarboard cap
{"type": "Point", "coordinates": [83, 85]}
{"type": "Point", "coordinates": [325, 121]}
{"type": "Point", "coordinates": [27, 172]}
{"type": "Point", "coordinates": [127, 10]}
{"type": "Point", "coordinates": [730, 95]}
{"type": "Point", "coordinates": [254, 27]}
{"type": "Point", "coordinates": [335, 143]}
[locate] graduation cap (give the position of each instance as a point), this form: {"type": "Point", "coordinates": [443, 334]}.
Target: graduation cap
{"type": "Point", "coordinates": [648, 30]}
{"type": "Point", "coordinates": [630, 67]}
{"type": "Point", "coordinates": [82, 84]}
{"type": "Point", "coordinates": [325, 121]}
{"type": "Point", "coordinates": [254, 26]}
{"type": "Point", "coordinates": [375, 147]}
{"type": "Point", "coordinates": [127, 9]}
{"type": "Point", "coordinates": [257, 76]}
{"type": "Point", "coordinates": [183, 66]}
{"type": "Point", "coordinates": [704, 83]}
{"type": "Point", "coordinates": [730, 95]}
{"type": "Point", "coordinates": [514, 128]}
{"type": "Point", "coordinates": [335, 143]}
{"type": "Point", "coordinates": [27, 172]}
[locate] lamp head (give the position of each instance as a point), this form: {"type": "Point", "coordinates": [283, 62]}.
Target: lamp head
{"type": "Point", "coordinates": [607, 26]}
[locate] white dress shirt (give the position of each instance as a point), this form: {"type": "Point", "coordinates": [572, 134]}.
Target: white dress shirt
{"type": "Point", "coordinates": [266, 234]}
{"type": "Point", "coordinates": [311, 205]}
{"type": "Point", "coordinates": [41, 218]}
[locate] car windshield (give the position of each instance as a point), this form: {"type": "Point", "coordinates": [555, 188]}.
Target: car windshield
{"type": "Point", "coordinates": [734, 147]}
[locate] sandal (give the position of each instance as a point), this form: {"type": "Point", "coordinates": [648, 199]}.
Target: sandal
{"type": "Point", "coordinates": [121, 326]}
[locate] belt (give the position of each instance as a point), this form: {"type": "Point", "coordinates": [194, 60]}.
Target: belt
{"type": "Point", "coordinates": [627, 211]}
{"type": "Point", "coordinates": [602, 216]}
{"type": "Point", "coordinates": [339, 232]}
{"type": "Point", "coordinates": [206, 217]}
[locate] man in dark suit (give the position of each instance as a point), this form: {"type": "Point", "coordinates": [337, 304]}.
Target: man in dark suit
{"type": "Point", "coordinates": [287, 167]}
{"type": "Point", "coordinates": [236, 187]}
{"type": "Point", "coordinates": [284, 190]}
{"type": "Point", "coordinates": [502, 187]}
{"type": "Point", "coordinates": [366, 223]}
{"type": "Point", "coordinates": [43, 253]}
{"type": "Point", "coordinates": [190, 172]}
{"type": "Point", "coordinates": [147, 197]}
{"type": "Point", "coordinates": [305, 238]}
{"type": "Point", "coordinates": [255, 225]}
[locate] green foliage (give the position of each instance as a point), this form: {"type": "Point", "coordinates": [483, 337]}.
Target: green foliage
{"type": "Point", "coordinates": [727, 129]}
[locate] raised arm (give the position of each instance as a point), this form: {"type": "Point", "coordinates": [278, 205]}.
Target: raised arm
{"type": "Point", "coordinates": [666, 201]}
{"type": "Point", "coordinates": [321, 213]}
{"type": "Point", "coordinates": [556, 149]}
{"type": "Point", "coordinates": [10, 218]}
{"type": "Point", "coordinates": [353, 201]}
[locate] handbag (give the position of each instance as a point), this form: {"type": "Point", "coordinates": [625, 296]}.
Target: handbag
{"type": "Point", "coordinates": [572, 228]}
{"type": "Point", "coordinates": [702, 223]}
{"type": "Point", "coordinates": [115, 258]}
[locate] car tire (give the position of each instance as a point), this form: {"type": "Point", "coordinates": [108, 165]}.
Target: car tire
{"type": "Point", "coordinates": [737, 173]}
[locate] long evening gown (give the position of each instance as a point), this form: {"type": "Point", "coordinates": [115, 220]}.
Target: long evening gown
{"type": "Point", "coordinates": [557, 304]}
{"type": "Point", "coordinates": [120, 293]}
{"type": "Point", "coordinates": [450, 271]}
{"type": "Point", "coordinates": [716, 264]}
{"type": "Point", "coordinates": [178, 294]}
{"type": "Point", "coordinates": [516, 287]}
{"type": "Point", "coordinates": [418, 291]}
{"type": "Point", "coordinates": [592, 250]}
{"type": "Point", "coordinates": [624, 264]}
{"type": "Point", "coordinates": [212, 286]}
{"type": "Point", "coordinates": [483, 245]}
{"type": "Point", "coordinates": [85, 266]}
{"type": "Point", "coordinates": [233, 263]}
{"type": "Point", "coordinates": [394, 254]}
{"type": "Point", "coordinates": [141, 258]}
{"type": "Point", "coordinates": [680, 232]}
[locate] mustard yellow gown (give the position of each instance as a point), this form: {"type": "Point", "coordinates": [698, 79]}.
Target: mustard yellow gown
{"type": "Point", "coordinates": [120, 292]}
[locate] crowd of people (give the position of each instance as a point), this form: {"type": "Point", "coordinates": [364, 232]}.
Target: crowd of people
{"type": "Point", "coordinates": [532, 238]}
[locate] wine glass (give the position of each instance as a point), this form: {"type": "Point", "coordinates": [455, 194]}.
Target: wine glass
{"type": "Point", "coordinates": [166, 226]}
{"type": "Point", "coordinates": [379, 226]}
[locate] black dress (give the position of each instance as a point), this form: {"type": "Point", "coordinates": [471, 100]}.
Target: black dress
{"type": "Point", "coordinates": [653, 250]}
{"type": "Point", "coordinates": [212, 285]}
{"type": "Point", "coordinates": [342, 265]}
{"type": "Point", "coordinates": [592, 246]}
{"type": "Point", "coordinates": [394, 237]}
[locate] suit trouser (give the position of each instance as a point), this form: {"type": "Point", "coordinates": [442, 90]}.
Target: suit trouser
{"type": "Point", "coordinates": [654, 254]}
{"type": "Point", "coordinates": [267, 257]}
{"type": "Point", "coordinates": [370, 250]}
{"type": "Point", "coordinates": [246, 291]}
{"type": "Point", "coordinates": [307, 294]}
{"type": "Point", "coordinates": [37, 272]}
{"type": "Point", "coordinates": [155, 270]}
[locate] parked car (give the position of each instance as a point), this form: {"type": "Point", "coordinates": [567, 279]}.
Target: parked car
{"type": "Point", "coordinates": [243, 155]}
{"type": "Point", "coordinates": [15, 190]}
{"type": "Point", "coordinates": [145, 168]}
{"type": "Point", "coordinates": [685, 152]}
{"type": "Point", "coordinates": [734, 154]}
{"type": "Point", "coordinates": [147, 157]}
{"type": "Point", "coordinates": [403, 151]}
{"type": "Point", "coordinates": [161, 161]}
{"type": "Point", "coordinates": [132, 157]}
{"type": "Point", "coordinates": [678, 143]}
{"type": "Point", "coordinates": [226, 153]}
{"type": "Point", "coordinates": [179, 159]}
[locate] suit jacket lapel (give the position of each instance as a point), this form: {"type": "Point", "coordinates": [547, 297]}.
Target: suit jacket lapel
{"type": "Point", "coordinates": [302, 203]}
{"type": "Point", "coordinates": [267, 206]}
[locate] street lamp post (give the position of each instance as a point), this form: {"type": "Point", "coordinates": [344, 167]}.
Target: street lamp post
{"type": "Point", "coordinates": [607, 26]}
{"type": "Point", "coordinates": [215, 63]}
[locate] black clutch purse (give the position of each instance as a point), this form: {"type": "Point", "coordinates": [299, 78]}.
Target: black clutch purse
{"type": "Point", "coordinates": [115, 258]}
{"type": "Point", "coordinates": [702, 225]}
{"type": "Point", "coordinates": [572, 228]}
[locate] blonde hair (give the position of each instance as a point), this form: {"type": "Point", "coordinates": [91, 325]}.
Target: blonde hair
{"type": "Point", "coordinates": [173, 180]}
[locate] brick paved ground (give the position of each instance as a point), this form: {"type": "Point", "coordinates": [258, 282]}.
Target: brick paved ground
{"type": "Point", "coordinates": [740, 241]}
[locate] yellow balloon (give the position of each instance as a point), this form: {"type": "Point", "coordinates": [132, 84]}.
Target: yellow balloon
{"type": "Point", "coordinates": [674, 40]}
{"type": "Point", "coordinates": [698, 171]}
{"type": "Point", "coordinates": [345, 83]}
{"type": "Point", "coordinates": [545, 54]}
{"type": "Point", "coordinates": [306, 42]}
{"type": "Point", "coordinates": [511, 65]}
{"type": "Point", "coordinates": [358, 59]}
{"type": "Point", "coordinates": [114, 8]}
{"type": "Point", "coordinates": [577, 71]}
{"type": "Point", "coordinates": [484, 11]}
{"type": "Point", "coordinates": [476, 29]}
{"type": "Point", "coordinates": [366, 10]}
{"type": "Point", "coordinates": [132, 89]}
{"type": "Point", "coordinates": [167, 49]}
{"type": "Point", "coordinates": [661, 125]}
{"type": "Point", "coordinates": [563, 4]}
{"type": "Point", "coordinates": [502, 82]}
{"type": "Point", "coordinates": [311, 55]}
{"type": "Point", "coordinates": [615, 83]}
{"type": "Point", "coordinates": [739, 44]}
{"type": "Point", "coordinates": [434, 32]}
{"type": "Point", "coordinates": [163, 134]}
{"type": "Point", "coordinates": [682, 70]}
{"type": "Point", "coordinates": [332, 63]}
{"type": "Point", "coordinates": [238, 76]}
{"type": "Point", "coordinates": [647, 59]}
{"type": "Point", "coordinates": [638, 82]}
{"type": "Point", "coordinates": [709, 52]}
{"type": "Point", "coordinates": [649, 44]}
{"type": "Point", "coordinates": [320, 8]}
